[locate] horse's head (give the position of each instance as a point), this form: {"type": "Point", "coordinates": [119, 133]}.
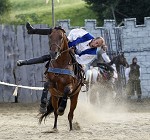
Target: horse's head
{"type": "Point", "coordinates": [121, 60]}
{"type": "Point", "coordinates": [58, 41]}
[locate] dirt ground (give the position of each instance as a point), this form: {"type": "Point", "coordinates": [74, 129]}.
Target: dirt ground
{"type": "Point", "coordinates": [111, 121]}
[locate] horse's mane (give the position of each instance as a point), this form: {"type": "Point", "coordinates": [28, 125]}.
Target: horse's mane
{"type": "Point", "coordinates": [115, 59]}
{"type": "Point", "coordinates": [59, 28]}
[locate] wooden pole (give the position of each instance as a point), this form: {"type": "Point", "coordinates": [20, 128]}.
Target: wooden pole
{"type": "Point", "coordinates": [53, 14]}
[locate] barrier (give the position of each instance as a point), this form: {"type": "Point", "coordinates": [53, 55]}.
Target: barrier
{"type": "Point", "coordinates": [20, 86]}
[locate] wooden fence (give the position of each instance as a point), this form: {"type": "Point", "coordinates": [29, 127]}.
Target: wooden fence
{"type": "Point", "coordinates": [16, 44]}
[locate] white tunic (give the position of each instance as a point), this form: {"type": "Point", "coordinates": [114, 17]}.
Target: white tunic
{"type": "Point", "coordinates": [86, 58]}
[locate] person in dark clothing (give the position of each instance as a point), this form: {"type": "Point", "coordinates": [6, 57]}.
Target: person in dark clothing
{"type": "Point", "coordinates": [38, 60]}
{"type": "Point", "coordinates": [133, 77]}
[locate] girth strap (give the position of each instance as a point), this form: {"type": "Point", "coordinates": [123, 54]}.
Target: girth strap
{"type": "Point", "coordinates": [61, 71]}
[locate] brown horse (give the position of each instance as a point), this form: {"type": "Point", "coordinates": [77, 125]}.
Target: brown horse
{"type": "Point", "coordinates": [64, 83]}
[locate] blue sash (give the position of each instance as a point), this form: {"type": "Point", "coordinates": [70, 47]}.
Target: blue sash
{"type": "Point", "coordinates": [79, 40]}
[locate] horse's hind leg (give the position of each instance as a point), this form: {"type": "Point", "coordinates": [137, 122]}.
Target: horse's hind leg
{"type": "Point", "coordinates": [73, 105]}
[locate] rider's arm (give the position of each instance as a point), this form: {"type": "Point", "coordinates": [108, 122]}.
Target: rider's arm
{"type": "Point", "coordinates": [106, 57]}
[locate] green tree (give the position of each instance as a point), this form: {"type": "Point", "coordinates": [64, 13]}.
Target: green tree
{"type": "Point", "coordinates": [4, 6]}
{"type": "Point", "coordinates": [120, 9]}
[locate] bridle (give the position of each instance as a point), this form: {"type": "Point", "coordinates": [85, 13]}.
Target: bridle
{"type": "Point", "coordinates": [57, 45]}
{"type": "Point", "coordinates": [60, 51]}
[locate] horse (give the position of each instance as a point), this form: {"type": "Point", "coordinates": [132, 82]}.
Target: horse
{"type": "Point", "coordinates": [100, 76]}
{"type": "Point", "coordinates": [65, 81]}
{"type": "Point", "coordinates": [94, 74]}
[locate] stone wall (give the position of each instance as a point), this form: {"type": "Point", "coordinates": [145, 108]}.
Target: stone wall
{"type": "Point", "coordinates": [17, 44]}
{"type": "Point", "coordinates": [135, 41]}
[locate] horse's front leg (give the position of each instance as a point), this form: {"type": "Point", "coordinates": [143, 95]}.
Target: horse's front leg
{"type": "Point", "coordinates": [73, 104]}
{"type": "Point", "coordinates": [55, 106]}
{"type": "Point", "coordinates": [55, 121]}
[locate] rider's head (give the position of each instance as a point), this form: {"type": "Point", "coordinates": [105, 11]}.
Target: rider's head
{"type": "Point", "coordinates": [97, 42]}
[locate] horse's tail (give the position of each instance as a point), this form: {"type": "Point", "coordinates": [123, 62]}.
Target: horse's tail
{"type": "Point", "coordinates": [50, 109]}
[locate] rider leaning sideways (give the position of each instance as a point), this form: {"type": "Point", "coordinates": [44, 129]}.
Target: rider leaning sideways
{"type": "Point", "coordinates": [85, 48]}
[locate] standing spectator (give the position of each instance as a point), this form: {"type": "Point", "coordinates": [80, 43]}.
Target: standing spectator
{"type": "Point", "coordinates": [132, 74]}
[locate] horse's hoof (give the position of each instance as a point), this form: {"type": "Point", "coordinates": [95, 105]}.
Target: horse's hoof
{"type": "Point", "coordinates": [60, 111]}
{"type": "Point", "coordinates": [76, 126]}
{"type": "Point", "coordinates": [54, 130]}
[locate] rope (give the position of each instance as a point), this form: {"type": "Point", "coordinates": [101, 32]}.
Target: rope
{"type": "Point", "coordinates": [27, 87]}
{"type": "Point", "coordinates": [17, 86]}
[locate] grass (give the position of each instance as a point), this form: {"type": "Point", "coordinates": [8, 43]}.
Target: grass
{"type": "Point", "coordinates": [38, 12]}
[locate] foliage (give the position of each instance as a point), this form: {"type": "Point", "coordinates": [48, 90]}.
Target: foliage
{"type": "Point", "coordinates": [5, 7]}
{"type": "Point", "coordinates": [120, 9]}
{"type": "Point", "coordinates": [38, 12]}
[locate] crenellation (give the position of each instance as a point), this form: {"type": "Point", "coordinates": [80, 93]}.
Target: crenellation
{"type": "Point", "coordinates": [64, 23]}
{"type": "Point", "coordinates": [147, 21]}
{"type": "Point", "coordinates": [90, 23]}
{"type": "Point", "coordinates": [130, 22]}
{"type": "Point", "coordinates": [108, 23]}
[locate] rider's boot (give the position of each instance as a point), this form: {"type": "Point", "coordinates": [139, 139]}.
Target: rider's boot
{"type": "Point", "coordinates": [43, 105]}
{"type": "Point", "coordinates": [31, 30]}
{"type": "Point", "coordinates": [41, 59]}
{"type": "Point", "coordinates": [63, 102]}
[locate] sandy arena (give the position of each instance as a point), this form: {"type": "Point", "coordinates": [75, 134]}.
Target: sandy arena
{"type": "Point", "coordinates": [119, 121]}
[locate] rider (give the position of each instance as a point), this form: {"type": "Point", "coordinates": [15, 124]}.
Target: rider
{"type": "Point", "coordinates": [85, 48]}
{"type": "Point", "coordinates": [103, 61]}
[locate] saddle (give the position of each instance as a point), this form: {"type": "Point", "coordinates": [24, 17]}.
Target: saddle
{"type": "Point", "coordinates": [106, 71]}
{"type": "Point", "coordinates": [78, 69]}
